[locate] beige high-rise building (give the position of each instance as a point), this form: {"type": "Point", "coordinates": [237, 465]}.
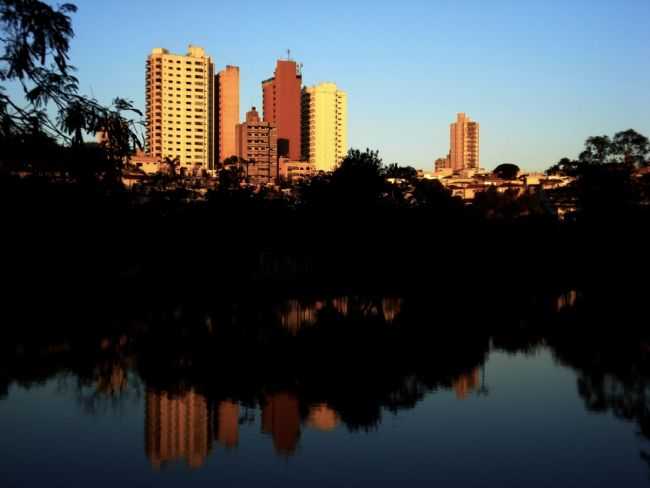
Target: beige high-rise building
{"type": "Point", "coordinates": [180, 107]}
{"type": "Point", "coordinates": [324, 126]}
{"type": "Point", "coordinates": [227, 88]}
{"type": "Point", "coordinates": [465, 144]}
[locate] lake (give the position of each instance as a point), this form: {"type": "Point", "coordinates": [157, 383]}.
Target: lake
{"type": "Point", "coordinates": [307, 402]}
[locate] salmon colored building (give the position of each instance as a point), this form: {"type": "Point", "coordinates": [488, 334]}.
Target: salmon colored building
{"type": "Point", "coordinates": [227, 88]}
{"type": "Point", "coordinates": [464, 144]}
{"type": "Point", "coordinates": [282, 106]}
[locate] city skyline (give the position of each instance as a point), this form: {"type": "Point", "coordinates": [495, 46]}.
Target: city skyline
{"type": "Point", "coordinates": [560, 80]}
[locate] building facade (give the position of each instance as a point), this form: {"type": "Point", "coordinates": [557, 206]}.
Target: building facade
{"type": "Point", "coordinates": [257, 145]}
{"type": "Point", "coordinates": [324, 126]}
{"type": "Point", "coordinates": [180, 107]}
{"type": "Point", "coordinates": [227, 96]}
{"type": "Point", "coordinates": [465, 144]}
{"type": "Point", "coordinates": [282, 107]}
{"type": "Point", "coordinates": [292, 172]}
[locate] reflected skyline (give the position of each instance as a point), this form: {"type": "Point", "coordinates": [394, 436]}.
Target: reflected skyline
{"type": "Point", "coordinates": [290, 393]}
{"type": "Point", "coordinates": [182, 428]}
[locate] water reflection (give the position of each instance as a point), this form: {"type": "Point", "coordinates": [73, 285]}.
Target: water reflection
{"type": "Point", "coordinates": [281, 419]}
{"type": "Point", "coordinates": [323, 364]}
{"type": "Point", "coordinates": [466, 384]}
{"type": "Point", "coordinates": [300, 314]}
{"type": "Point", "coordinates": [177, 428]}
{"type": "Point", "coordinates": [228, 419]}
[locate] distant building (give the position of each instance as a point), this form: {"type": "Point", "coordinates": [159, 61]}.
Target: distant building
{"type": "Point", "coordinates": [227, 117]}
{"type": "Point", "coordinates": [464, 144]}
{"type": "Point", "coordinates": [146, 163]}
{"type": "Point", "coordinates": [282, 107]}
{"type": "Point", "coordinates": [295, 171]}
{"type": "Point", "coordinates": [180, 107]}
{"type": "Point", "coordinates": [324, 126]}
{"type": "Point", "coordinates": [442, 164]}
{"type": "Point", "coordinates": [257, 145]}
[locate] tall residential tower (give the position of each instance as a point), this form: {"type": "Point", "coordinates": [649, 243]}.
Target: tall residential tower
{"type": "Point", "coordinates": [227, 95]}
{"type": "Point", "coordinates": [180, 107]}
{"type": "Point", "coordinates": [282, 107]}
{"type": "Point", "coordinates": [465, 144]}
{"type": "Point", "coordinates": [324, 126]}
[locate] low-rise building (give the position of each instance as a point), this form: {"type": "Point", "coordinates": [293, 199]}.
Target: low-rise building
{"type": "Point", "coordinates": [295, 171]}
{"type": "Point", "coordinates": [146, 163]}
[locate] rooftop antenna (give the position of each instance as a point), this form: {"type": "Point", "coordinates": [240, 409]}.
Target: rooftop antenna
{"type": "Point", "coordinates": [288, 54]}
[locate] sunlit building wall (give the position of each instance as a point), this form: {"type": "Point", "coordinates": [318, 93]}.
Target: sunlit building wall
{"type": "Point", "coordinates": [177, 428]}
{"type": "Point", "coordinates": [180, 107]}
{"type": "Point", "coordinates": [325, 126]}
{"type": "Point", "coordinates": [227, 88]}
{"type": "Point", "coordinates": [282, 107]}
{"type": "Point", "coordinates": [257, 144]}
{"type": "Point", "coordinates": [464, 144]}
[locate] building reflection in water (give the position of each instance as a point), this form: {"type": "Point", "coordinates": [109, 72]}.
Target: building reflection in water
{"type": "Point", "coordinates": [177, 428]}
{"type": "Point", "coordinates": [567, 300]}
{"type": "Point", "coordinates": [296, 315]}
{"type": "Point", "coordinates": [467, 384]}
{"type": "Point", "coordinates": [323, 418]}
{"type": "Point", "coordinates": [281, 419]}
{"type": "Point", "coordinates": [227, 423]}
{"type": "Point", "coordinates": [182, 428]}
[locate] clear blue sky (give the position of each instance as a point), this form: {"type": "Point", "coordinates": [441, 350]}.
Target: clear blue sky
{"type": "Point", "coordinates": [539, 75]}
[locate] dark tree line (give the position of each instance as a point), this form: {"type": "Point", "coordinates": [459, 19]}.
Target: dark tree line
{"type": "Point", "coordinates": [46, 127]}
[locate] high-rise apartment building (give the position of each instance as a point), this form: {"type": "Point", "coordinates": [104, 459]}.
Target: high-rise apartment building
{"type": "Point", "coordinates": [282, 107]}
{"type": "Point", "coordinates": [465, 144]}
{"type": "Point", "coordinates": [257, 145]}
{"type": "Point", "coordinates": [324, 126]}
{"type": "Point", "coordinates": [227, 96]}
{"type": "Point", "coordinates": [180, 107]}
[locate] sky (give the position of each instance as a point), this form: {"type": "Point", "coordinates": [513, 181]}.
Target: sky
{"type": "Point", "coordinates": [540, 76]}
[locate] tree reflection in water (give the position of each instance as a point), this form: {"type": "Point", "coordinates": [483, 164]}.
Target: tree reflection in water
{"type": "Point", "coordinates": [322, 364]}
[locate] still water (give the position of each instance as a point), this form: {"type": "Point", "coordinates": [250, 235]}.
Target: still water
{"type": "Point", "coordinates": [550, 414]}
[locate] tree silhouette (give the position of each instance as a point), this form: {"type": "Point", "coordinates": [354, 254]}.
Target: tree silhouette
{"type": "Point", "coordinates": [631, 148]}
{"type": "Point", "coordinates": [507, 171]}
{"type": "Point", "coordinates": [36, 40]}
